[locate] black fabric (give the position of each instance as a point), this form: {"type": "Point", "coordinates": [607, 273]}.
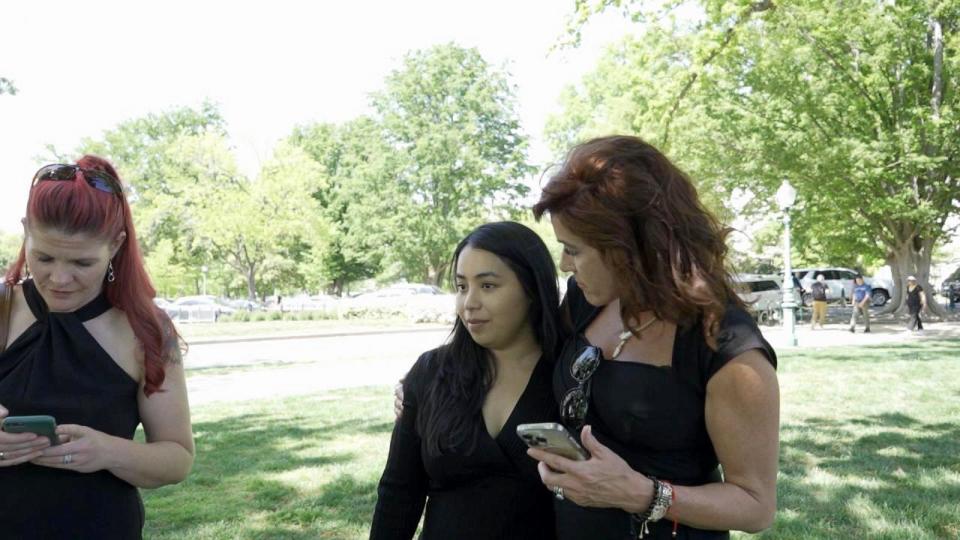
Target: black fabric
{"type": "Point", "coordinates": [56, 367]}
{"type": "Point", "coordinates": [651, 416]}
{"type": "Point", "coordinates": [495, 492]}
{"type": "Point", "coordinates": [819, 291]}
{"type": "Point", "coordinates": [913, 299]}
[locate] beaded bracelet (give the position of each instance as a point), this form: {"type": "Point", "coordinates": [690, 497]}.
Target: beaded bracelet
{"type": "Point", "coordinates": [659, 504]}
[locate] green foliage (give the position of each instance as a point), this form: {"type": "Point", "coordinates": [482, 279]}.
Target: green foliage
{"type": "Point", "coordinates": [444, 154]}
{"type": "Point", "coordinates": [170, 160]}
{"type": "Point", "coordinates": [450, 119]}
{"type": "Point", "coordinates": [356, 164]}
{"type": "Point", "coordinates": [860, 117]}
{"type": "Point", "coordinates": [7, 87]}
{"type": "Point", "coordinates": [9, 249]}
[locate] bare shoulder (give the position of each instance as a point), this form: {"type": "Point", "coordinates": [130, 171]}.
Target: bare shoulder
{"type": "Point", "coordinates": [113, 332]}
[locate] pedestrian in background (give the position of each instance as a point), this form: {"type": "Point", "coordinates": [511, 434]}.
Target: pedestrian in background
{"type": "Point", "coordinates": [916, 302]}
{"type": "Point", "coordinates": [860, 299]}
{"type": "Point", "coordinates": [819, 291]}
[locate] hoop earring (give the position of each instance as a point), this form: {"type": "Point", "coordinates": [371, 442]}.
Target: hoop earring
{"type": "Point", "coordinates": [110, 276]}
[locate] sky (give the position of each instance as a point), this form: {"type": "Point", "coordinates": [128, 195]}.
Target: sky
{"type": "Point", "coordinates": [83, 67]}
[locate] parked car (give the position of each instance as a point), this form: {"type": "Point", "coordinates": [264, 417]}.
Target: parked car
{"type": "Point", "coordinates": [402, 289]}
{"type": "Point", "coordinates": [242, 304]}
{"type": "Point", "coordinates": [839, 283]}
{"type": "Point", "coordinates": [198, 309]}
{"type": "Point", "coordinates": [763, 294]}
{"type": "Point", "coordinates": [950, 287]}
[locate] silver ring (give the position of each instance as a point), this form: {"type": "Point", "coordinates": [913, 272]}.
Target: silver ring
{"type": "Point", "coordinates": [558, 493]}
{"type": "Point", "coordinates": [68, 459]}
{"type": "Point", "coordinates": [2, 456]}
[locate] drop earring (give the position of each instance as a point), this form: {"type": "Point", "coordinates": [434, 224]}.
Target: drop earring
{"type": "Point", "coordinates": [110, 276]}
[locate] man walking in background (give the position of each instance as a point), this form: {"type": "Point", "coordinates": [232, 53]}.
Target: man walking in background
{"type": "Point", "coordinates": [819, 291]}
{"type": "Point", "coordinates": [860, 299]}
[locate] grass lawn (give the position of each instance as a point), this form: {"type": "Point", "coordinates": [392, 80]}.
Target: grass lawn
{"type": "Point", "coordinates": [870, 448]}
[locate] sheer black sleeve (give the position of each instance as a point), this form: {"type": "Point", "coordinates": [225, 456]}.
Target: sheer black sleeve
{"type": "Point", "coordinates": [402, 491]}
{"type": "Point", "coordinates": [738, 334]}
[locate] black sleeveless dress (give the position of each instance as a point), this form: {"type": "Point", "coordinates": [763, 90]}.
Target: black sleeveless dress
{"type": "Point", "coordinates": [651, 416]}
{"type": "Point", "coordinates": [56, 367]}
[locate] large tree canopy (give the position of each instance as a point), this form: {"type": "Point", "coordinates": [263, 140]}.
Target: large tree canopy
{"type": "Point", "coordinates": [450, 119]}
{"type": "Point", "coordinates": [854, 102]}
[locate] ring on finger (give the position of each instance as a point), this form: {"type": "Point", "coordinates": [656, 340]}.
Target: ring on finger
{"type": "Point", "coordinates": [3, 456]}
{"type": "Point", "coordinates": [67, 459]}
{"type": "Point", "coordinates": [558, 493]}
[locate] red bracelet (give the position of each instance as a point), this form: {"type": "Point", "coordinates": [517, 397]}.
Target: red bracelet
{"type": "Point", "coordinates": [673, 499]}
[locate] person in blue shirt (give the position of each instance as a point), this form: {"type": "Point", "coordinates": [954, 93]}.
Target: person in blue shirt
{"type": "Point", "coordinates": [860, 299]}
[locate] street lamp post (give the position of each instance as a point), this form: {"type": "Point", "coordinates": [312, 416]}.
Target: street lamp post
{"type": "Point", "coordinates": [204, 269]}
{"type": "Point", "coordinates": [786, 197]}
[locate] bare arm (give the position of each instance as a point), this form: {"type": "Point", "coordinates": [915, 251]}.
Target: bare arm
{"type": "Point", "coordinates": [168, 455]}
{"type": "Point", "coordinates": [743, 417]}
{"type": "Point", "coordinates": [743, 420]}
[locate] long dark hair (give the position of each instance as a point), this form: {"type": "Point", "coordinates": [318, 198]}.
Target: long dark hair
{"type": "Point", "coordinates": [465, 371]}
{"type": "Point", "coordinates": [667, 252]}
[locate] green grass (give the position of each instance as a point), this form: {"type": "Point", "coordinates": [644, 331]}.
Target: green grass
{"type": "Point", "coordinates": [870, 448]}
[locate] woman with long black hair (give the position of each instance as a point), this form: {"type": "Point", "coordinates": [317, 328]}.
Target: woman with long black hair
{"type": "Point", "coordinates": [455, 447]}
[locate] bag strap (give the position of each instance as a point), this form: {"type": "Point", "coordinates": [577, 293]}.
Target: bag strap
{"type": "Point", "coordinates": [6, 302]}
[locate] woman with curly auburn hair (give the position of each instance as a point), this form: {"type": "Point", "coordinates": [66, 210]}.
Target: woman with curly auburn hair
{"type": "Point", "coordinates": [666, 379]}
{"type": "Point", "coordinates": [86, 345]}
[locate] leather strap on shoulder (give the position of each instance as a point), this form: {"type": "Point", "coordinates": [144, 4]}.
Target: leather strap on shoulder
{"type": "Point", "coordinates": [6, 302]}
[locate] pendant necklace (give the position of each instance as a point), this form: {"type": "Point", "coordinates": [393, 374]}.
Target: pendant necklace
{"type": "Point", "coordinates": [627, 334]}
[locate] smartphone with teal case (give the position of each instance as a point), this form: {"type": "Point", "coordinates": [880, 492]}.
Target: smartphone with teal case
{"type": "Point", "coordinates": [42, 424]}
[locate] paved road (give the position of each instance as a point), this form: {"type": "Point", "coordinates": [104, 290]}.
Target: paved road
{"type": "Point", "coordinates": [272, 368]}
{"type": "Point", "coordinates": [305, 365]}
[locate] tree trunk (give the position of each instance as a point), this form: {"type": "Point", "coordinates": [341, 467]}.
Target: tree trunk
{"type": "Point", "coordinates": [912, 258]}
{"type": "Point", "coordinates": [251, 282]}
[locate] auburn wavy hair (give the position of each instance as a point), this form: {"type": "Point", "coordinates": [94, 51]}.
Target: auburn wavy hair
{"type": "Point", "coordinates": [666, 251]}
{"type": "Point", "coordinates": [73, 207]}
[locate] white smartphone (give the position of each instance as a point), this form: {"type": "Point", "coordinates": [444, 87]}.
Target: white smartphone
{"type": "Point", "coordinates": [553, 438]}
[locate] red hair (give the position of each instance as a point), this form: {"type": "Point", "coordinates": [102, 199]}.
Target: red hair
{"type": "Point", "coordinates": [73, 207]}
{"type": "Point", "coordinates": [666, 251]}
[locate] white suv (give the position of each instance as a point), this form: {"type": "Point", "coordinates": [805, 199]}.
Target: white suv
{"type": "Point", "coordinates": [840, 283]}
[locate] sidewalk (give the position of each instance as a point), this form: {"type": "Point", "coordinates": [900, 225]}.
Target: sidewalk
{"type": "Point", "coordinates": [838, 334]}
{"type": "Point", "coordinates": [331, 331]}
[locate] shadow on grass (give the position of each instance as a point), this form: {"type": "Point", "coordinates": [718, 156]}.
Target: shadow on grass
{"type": "Point", "coordinates": [884, 476]}
{"type": "Point", "coordinates": [234, 477]}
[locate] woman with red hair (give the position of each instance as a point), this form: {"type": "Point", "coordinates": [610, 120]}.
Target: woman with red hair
{"type": "Point", "coordinates": [666, 379]}
{"type": "Point", "coordinates": [86, 345]}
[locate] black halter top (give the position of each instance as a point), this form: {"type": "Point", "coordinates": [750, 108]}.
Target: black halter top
{"type": "Point", "coordinates": [56, 367]}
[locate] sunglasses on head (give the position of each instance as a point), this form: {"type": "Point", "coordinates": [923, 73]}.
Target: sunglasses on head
{"type": "Point", "coordinates": [99, 180]}
{"type": "Point", "coordinates": [573, 407]}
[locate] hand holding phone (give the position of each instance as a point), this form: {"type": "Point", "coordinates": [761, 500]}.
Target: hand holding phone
{"type": "Point", "coordinates": [554, 438]}
{"type": "Point", "coordinates": [40, 424]}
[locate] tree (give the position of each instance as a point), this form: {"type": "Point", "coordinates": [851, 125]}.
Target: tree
{"type": "Point", "coordinates": [7, 87]}
{"type": "Point", "coordinates": [355, 162]}
{"type": "Point", "coordinates": [9, 249]}
{"type": "Point", "coordinates": [860, 117]}
{"type": "Point", "coordinates": [170, 160]}
{"type": "Point", "coordinates": [451, 121]}
{"type": "Point", "coordinates": [262, 228]}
